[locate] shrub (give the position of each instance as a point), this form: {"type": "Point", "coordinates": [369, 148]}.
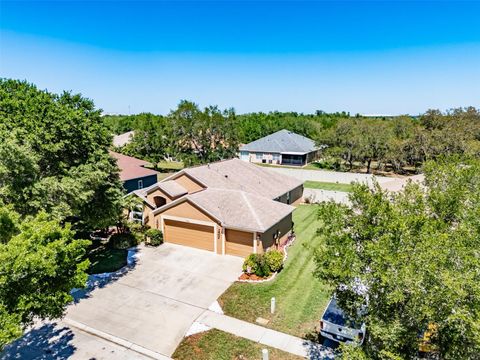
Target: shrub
{"type": "Point", "coordinates": [256, 264]}
{"type": "Point", "coordinates": [122, 241]}
{"type": "Point", "coordinates": [155, 237]}
{"type": "Point", "coordinates": [274, 260]}
{"type": "Point", "coordinates": [250, 264]}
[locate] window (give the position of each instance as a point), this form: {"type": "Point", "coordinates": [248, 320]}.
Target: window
{"type": "Point", "coordinates": [259, 156]}
{"type": "Point", "coordinates": [140, 184]}
{"type": "Point", "coordinates": [276, 157]}
{"type": "Point", "coordinates": [288, 197]}
{"type": "Point", "coordinates": [159, 201]}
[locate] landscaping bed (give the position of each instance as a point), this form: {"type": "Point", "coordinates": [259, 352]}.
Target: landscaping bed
{"type": "Point", "coordinates": [300, 297]}
{"type": "Point", "coordinates": [218, 345]}
{"type": "Point", "coordinates": [105, 259]}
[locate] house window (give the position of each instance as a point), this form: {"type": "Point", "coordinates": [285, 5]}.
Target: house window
{"type": "Point", "coordinates": [288, 197]}
{"type": "Point", "coordinates": [259, 156]}
{"type": "Point", "coordinates": [276, 157]}
{"type": "Point", "coordinates": [140, 184]}
{"type": "Point", "coordinates": [244, 155]}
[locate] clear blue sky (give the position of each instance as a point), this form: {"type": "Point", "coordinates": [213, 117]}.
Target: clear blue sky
{"type": "Point", "coordinates": [373, 57]}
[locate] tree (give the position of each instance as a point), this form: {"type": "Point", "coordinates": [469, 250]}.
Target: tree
{"type": "Point", "coordinates": [416, 256]}
{"type": "Point", "coordinates": [54, 157]}
{"type": "Point", "coordinates": [203, 136]}
{"type": "Point", "coordinates": [40, 262]}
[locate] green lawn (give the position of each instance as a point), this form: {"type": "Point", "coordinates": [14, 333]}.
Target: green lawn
{"type": "Point", "coordinates": [170, 165]}
{"type": "Point", "coordinates": [103, 259]}
{"type": "Point", "coordinates": [218, 345]}
{"type": "Point", "coordinates": [328, 186]}
{"type": "Point", "coordinates": [300, 297]}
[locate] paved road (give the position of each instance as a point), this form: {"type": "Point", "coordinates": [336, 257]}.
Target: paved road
{"type": "Point", "coordinates": [330, 176]}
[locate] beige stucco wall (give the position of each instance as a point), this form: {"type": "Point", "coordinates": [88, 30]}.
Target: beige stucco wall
{"type": "Point", "coordinates": [188, 183]}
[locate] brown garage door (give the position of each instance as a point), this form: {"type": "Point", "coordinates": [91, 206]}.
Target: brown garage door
{"type": "Point", "coordinates": [238, 243]}
{"type": "Point", "coordinates": [193, 235]}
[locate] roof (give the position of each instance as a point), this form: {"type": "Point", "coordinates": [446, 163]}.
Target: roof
{"type": "Point", "coordinates": [235, 174]}
{"type": "Point", "coordinates": [123, 139]}
{"type": "Point", "coordinates": [282, 141]}
{"type": "Point", "coordinates": [131, 168]}
{"type": "Point", "coordinates": [237, 209]}
{"type": "Point", "coordinates": [172, 188]}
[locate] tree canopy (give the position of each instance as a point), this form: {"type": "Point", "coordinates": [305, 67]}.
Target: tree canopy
{"type": "Point", "coordinates": [54, 156]}
{"type": "Point", "coordinates": [415, 255]}
{"type": "Point", "coordinates": [40, 263]}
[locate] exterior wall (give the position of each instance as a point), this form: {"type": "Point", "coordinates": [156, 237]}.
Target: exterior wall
{"type": "Point", "coordinates": [158, 192]}
{"type": "Point", "coordinates": [292, 197]}
{"type": "Point", "coordinates": [265, 157]}
{"type": "Point", "coordinates": [188, 183]}
{"type": "Point", "coordinates": [238, 243]}
{"type": "Point", "coordinates": [183, 210]}
{"type": "Point", "coordinates": [284, 226]}
{"type": "Point", "coordinates": [132, 185]}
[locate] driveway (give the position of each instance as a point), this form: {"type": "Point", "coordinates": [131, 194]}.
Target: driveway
{"type": "Point", "coordinates": [155, 303]}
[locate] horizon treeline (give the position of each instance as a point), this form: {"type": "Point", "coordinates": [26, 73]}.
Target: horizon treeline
{"type": "Point", "coordinates": [399, 144]}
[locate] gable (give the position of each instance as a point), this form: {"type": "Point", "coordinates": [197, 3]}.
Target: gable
{"type": "Point", "coordinates": [185, 209]}
{"type": "Point", "coordinates": [188, 183]}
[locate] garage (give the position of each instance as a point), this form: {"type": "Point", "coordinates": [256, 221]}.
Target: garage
{"type": "Point", "coordinates": [238, 243]}
{"type": "Point", "coordinates": [189, 234]}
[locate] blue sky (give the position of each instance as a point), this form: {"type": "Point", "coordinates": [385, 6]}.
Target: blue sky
{"type": "Point", "coordinates": [373, 57]}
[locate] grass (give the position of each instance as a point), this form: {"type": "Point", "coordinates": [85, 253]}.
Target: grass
{"type": "Point", "coordinates": [103, 259]}
{"type": "Point", "coordinates": [300, 297]}
{"type": "Point", "coordinates": [328, 186]}
{"type": "Point", "coordinates": [170, 165]}
{"type": "Point", "coordinates": [218, 345]}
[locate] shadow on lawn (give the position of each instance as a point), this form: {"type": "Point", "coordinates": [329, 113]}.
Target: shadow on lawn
{"type": "Point", "coordinates": [46, 342]}
{"type": "Point", "coordinates": [101, 280]}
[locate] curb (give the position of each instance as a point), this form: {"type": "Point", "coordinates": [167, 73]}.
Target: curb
{"type": "Point", "coordinates": [116, 340]}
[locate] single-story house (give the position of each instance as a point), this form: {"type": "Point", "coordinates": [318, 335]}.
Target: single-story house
{"type": "Point", "coordinates": [228, 207]}
{"type": "Point", "coordinates": [282, 148]}
{"type": "Point", "coordinates": [133, 172]}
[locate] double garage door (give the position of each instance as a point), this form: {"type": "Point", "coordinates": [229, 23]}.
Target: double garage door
{"type": "Point", "coordinates": [188, 234]}
{"type": "Point", "coordinates": [238, 243]}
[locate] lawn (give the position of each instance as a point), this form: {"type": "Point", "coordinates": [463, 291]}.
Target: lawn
{"type": "Point", "coordinates": [218, 345]}
{"type": "Point", "coordinates": [300, 297]}
{"type": "Point", "coordinates": [104, 259]}
{"type": "Point", "coordinates": [328, 186]}
{"type": "Point", "coordinates": [170, 165]}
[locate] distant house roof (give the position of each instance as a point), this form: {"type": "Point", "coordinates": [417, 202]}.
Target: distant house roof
{"type": "Point", "coordinates": [123, 139]}
{"type": "Point", "coordinates": [131, 168]}
{"type": "Point", "coordinates": [235, 174]}
{"type": "Point", "coordinates": [282, 141]}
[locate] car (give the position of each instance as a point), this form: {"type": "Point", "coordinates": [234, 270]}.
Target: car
{"type": "Point", "coordinates": [337, 326]}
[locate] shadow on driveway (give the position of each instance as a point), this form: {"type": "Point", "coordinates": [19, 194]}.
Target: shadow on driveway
{"type": "Point", "coordinates": [46, 342]}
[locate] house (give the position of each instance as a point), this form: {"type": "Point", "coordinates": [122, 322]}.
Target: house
{"type": "Point", "coordinates": [123, 139]}
{"type": "Point", "coordinates": [133, 172]}
{"type": "Point", "coordinates": [281, 148]}
{"type": "Point", "coordinates": [229, 207]}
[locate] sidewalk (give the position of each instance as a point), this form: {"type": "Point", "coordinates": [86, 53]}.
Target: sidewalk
{"type": "Point", "coordinates": [262, 335]}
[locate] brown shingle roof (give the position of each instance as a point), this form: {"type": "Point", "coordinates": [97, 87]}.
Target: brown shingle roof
{"type": "Point", "coordinates": [130, 167]}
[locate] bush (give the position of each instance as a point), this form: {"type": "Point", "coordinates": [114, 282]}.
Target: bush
{"type": "Point", "coordinates": [122, 241]}
{"type": "Point", "coordinates": [274, 260]}
{"type": "Point", "coordinates": [256, 264]}
{"type": "Point", "coordinates": [155, 237]}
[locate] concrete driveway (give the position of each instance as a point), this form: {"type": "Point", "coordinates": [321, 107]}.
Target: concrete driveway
{"type": "Point", "coordinates": [152, 305]}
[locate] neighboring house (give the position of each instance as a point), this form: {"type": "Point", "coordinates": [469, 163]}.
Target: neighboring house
{"type": "Point", "coordinates": [123, 139]}
{"type": "Point", "coordinates": [229, 207]}
{"type": "Point", "coordinates": [282, 148]}
{"type": "Point", "coordinates": [133, 172]}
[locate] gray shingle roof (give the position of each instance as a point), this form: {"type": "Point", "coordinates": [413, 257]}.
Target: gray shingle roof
{"type": "Point", "coordinates": [282, 141]}
{"type": "Point", "coordinates": [235, 174]}
{"type": "Point", "coordinates": [172, 188]}
{"type": "Point", "coordinates": [238, 209]}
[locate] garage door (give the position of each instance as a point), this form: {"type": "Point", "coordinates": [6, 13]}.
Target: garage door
{"type": "Point", "coordinates": [193, 235]}
{"type": "Point", "coordinates": [238, 243]}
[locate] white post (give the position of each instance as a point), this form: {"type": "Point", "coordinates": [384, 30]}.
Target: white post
{"type": "Point", "coordinates": [272, 305]}
{"type": "Point", "coordinates": [265, 354]}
